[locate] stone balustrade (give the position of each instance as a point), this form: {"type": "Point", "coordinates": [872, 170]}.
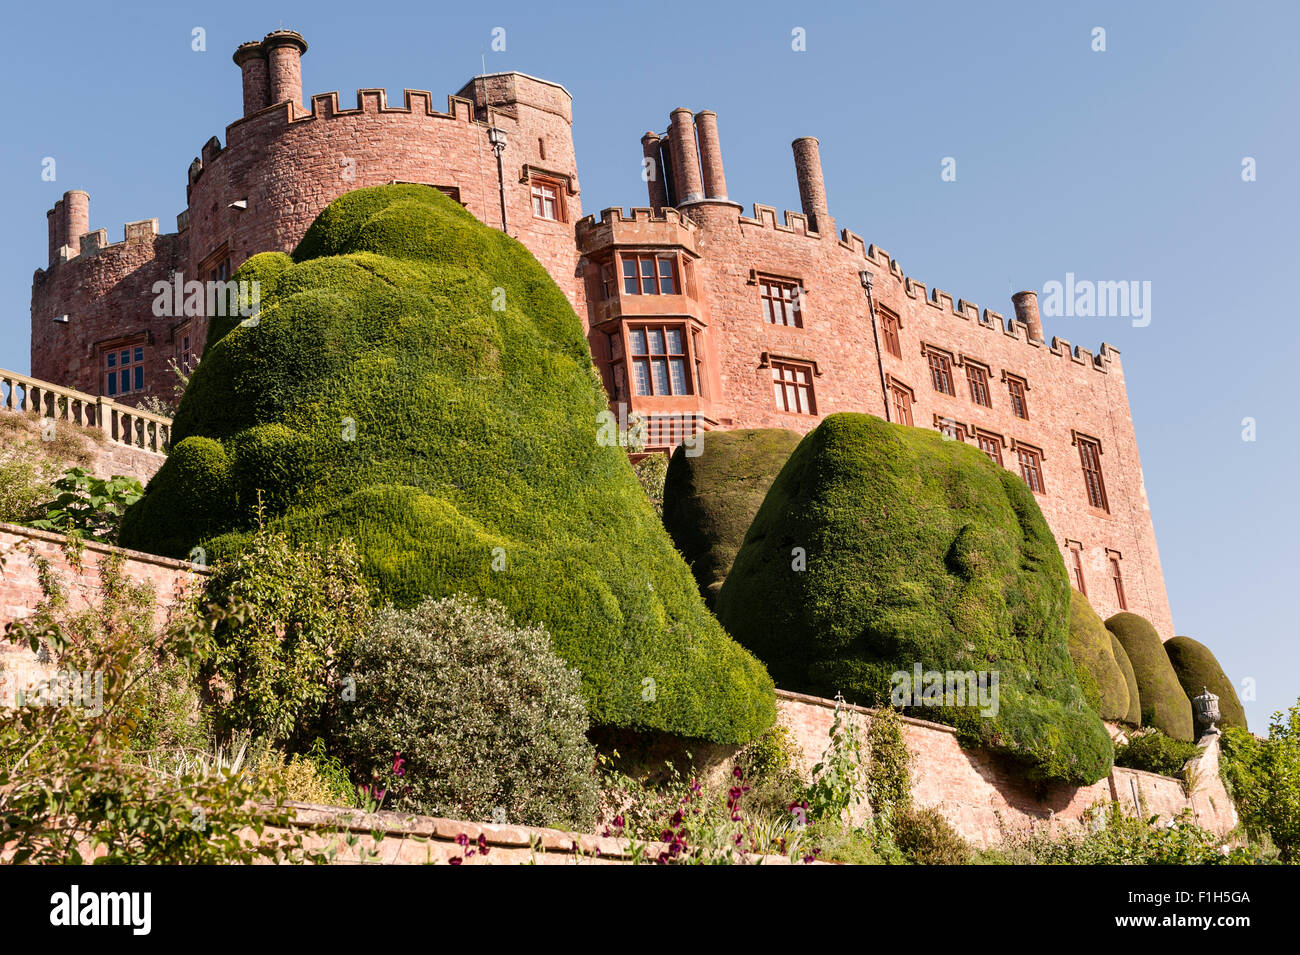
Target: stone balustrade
{"type": "Point", "coordinates": [119, 423]}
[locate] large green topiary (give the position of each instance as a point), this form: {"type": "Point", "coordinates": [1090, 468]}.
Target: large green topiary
{"type": "Point", "coordinates": [1099, 675]}
{"type": "Point", "coordinates": [919, 551]}
{"type": "Point", "coordinates": [1134, 715]}
{"type": "Point", "coordinates": [1197, 669]}
{"type": "Point", "coordinates": [417, 382]}
{"type": "Point", "coordinates": [711, 498]}
{"type": "Point", "coordinates": [1164, 704]}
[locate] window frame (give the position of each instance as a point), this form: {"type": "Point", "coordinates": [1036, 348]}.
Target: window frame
{"type": "Point", "coordinates": [945, 363]}
{"type": "Point", "coordinates": [1036, 455]}
{"type": "Point", "coordinates": [1094, 481]}
{"type": "Point", "coordinates": [111, 368]}
{"type": "Point", "coordinates": [648, 358]}
{"type": "Point", "coordinates": [538, 182]}
{"type": "Point", "coordinates": [1117, 578]}
{"type": "Point", "coordinates": [638, 277]}
{"type": "Point", "coordinates": [899, 390]}
{"type": "Point", "coordinates": [890, 326]}
{"type": "Point", "coordinates": [1018, 394]}
{"type": "Point", "coordinates": [791, 307]}
{"type": "Point", "coordinates": [977, 374]}
{"type": "Point", "coordinates": [1080, 582]}
{"type": "Point", "coordinates": [781, 386]}
{"type": "Point", "coordinates": [994, 439]}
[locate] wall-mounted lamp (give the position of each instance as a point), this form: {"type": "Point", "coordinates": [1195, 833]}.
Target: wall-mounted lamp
{"type": "Point", "coordinates": [497, 137]}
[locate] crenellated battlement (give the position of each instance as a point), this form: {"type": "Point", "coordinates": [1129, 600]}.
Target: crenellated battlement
{"type": "Point", "coordinates": [95, 242]}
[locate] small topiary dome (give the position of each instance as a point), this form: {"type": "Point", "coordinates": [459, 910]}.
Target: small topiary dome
{"type": "Point", "coordinates": [711, 498]}
{"type": "Point", "coordinates": [1099, 675]}
{"type": "Point", "coordinates": [1197, 669]}
{"type": "Point", "coordinates": [880, 548]}
{"type": "Point", "coordinates": [416, 381]}
{"type": "Point", "coordinates": [1134, 715]}
{"type": "Point", "coordinates": [1164, 704]}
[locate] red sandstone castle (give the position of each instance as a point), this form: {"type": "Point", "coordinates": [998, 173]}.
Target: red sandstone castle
{"type": "Point", "coordinates": [699, 317]}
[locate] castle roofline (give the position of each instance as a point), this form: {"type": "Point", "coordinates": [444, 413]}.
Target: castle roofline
{"type": "Point", "coordinates": [527, 76]}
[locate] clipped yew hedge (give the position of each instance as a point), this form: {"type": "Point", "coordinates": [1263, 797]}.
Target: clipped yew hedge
{"type": "Point", "coordinates": [1100, 677]}
{"type": "Point", "coordinates": [1164, 704]}
{"type": "Point", "coordinates": [711, 499]}
{"type": "Point", "coordinates": [879, 547]}
{"type": "Point", "coordinates": [1134, 715]}
{"type": "Point", "coordinates": [416, 381]}
{"type": "Point", "coordinates": [1197, 669]}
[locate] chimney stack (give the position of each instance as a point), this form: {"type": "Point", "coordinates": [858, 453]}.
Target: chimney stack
{"type": "Point", "coordinates": [686, 158]}
{"type": "Point", "coordinates": [706, 126]}
{"type": "Point", "coordinates": [812, 188]}
{"type": "Point", "coordinates": [251, 59]}
{"type": "Point", "coordinates": [284, 50]}
{"type": "Point", "coordinates": [1026, 304]}
{"type": "Point", "coordinates": [656, 184]}
{"type": "Point", "coordinates": [67, 222]}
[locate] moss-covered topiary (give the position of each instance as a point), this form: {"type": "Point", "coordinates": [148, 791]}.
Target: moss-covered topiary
{"type": "Point", "coordinates": [415, 381]}
{"type": "Point", "coordinates": [1164, 704]}
{"type": "Point", "coordinates": [918, 551]}
{"type": "Point", "coordinates": [711, 498]}
{"type": "Point", "coordinates": [1197, 669]}
{"type": "Point", "coordinates": [1134, 715]}
{"type": "Point", "coordinates": [1099, 675]}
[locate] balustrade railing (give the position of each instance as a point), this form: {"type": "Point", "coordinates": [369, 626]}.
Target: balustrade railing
{"type": "Point", "coordinates": [117, 422]}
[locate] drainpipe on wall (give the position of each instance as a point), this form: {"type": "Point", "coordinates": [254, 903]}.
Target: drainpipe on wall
{"type": "Point", "coordinates": [865, 276]}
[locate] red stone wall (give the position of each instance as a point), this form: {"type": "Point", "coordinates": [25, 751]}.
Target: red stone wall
{"type": "Point", "coordinates": [20, 589]}
{"type": "Point", "coordinates": [985, 799]}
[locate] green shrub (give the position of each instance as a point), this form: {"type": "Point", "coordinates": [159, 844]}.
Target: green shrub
{"type": "Point", "coordinates": [1155, 752]}
{"type": "Point", "coordinates": [889, 771]}
{"type": "Point", "coordinates": [460, 713]}
{"type": "Point", "coordinates": [1114, 836]}
{"type": "Point", "coordinates": [1263, 777]}
{"type": "Point", "coordinates": [1134, 715]}
{"type": "Point", "coordinates": [926, 838]}
{"type": "Point", "coordinates": [710, 499]}
{"type": "Point", "coordinates": [1100, 676]}
{"type": "Point", "coordinates": [25, 481]}
{"type": "Point", "coordinates": [1164, 704]}
{"type": "Point", "coordinates": [650, 471]}
{"type": "Point", "coordinates": [382, 397]}
{"type": "Point", "coordinates": [1197, 669]}
{"type": "Point", "coordinates": [88, 506]}
{"type": "Point", "coordinates": [295, 611]}
{"type": "Point", "coordinates": [879, 547]}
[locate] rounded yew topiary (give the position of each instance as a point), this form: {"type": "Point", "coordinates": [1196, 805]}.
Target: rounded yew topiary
{"type": "Point", "coordinates": [1134, 715]}
{"type": "Point", "coordinates": [1099, 674]}
{"type": "Point", "coordinates": [459, 713]}
{"type": "Point", "coordinates": [1164, 704]}
{"type": "Point", "coordinates": [415, 381]}
{"type": "Point", "coordinates": [1197, 669]}
{"type": "Point", "coordinates": [881, 548]}
{"type": "Point", "coordinates": [711, 497]}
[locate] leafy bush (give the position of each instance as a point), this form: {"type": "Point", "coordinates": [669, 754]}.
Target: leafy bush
{"type": "Point", "coordinates": [650, 471]}
{"type": "Point", "coordinates": [71, 791]}
{"type": "Point", "coordinates": [1134, 715]}
{"type": "Point", "coordinates": [889, 772]}
{"type": "Point", "coordinates": [1155, 752]}
{"type": "Point", "coordinates": [460, 713]}
{"type": "Point", "coordinates": [1164, 704]}
{"type": "Point", "coordinates": [835, 786]}
{"type": "Point", "coordinates": [1099, 674]}
{"type": "Point", "coordinates": [25, 481]}
{"type": "Point", "coordinates": [926, 838]}
{"type": "Point", "coordinates": [1197, 669]}
{"type": "Point", "coordinates": [294, 611]}
{"type": "Point", "coordinates": [711, 499]}
{"type": "Point", "coordinates": [879, 547]}
{"type": "Point", "coordinates": [88, 506]}
{"type": "Point", "coordinates": [1114, 836]}
{"type": "Point", "coordinates": [1263, 777]}
{"type": "Point", "coordinates": [382, 397]}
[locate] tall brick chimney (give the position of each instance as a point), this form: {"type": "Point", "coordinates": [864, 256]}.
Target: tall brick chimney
{"type": "Point", "coordinates": [1026, 304]}
{"type": "Point", "coordinates": [715, 182]}
{"type": "Point", "coordinates": [686, 158]}
{"type": "Point", "coordinates": [812, 188]}
{"type": "Point", "coordinates": [68, 221]}
{"type": "Point", "coordinates": [284, 50]}
{"type": "Point", "coordinates": [251, 59]}
{"type": "Point", "coordinates": [657, 185]}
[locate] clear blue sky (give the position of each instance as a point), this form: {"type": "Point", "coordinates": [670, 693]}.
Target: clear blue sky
{"type": "Point", "coordinates": [1117, 165]}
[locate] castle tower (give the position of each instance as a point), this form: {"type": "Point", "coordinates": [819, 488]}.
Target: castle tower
{"type": "Point", "coordinates": [251, 60]}
{"type": "Point", "coordinates": [1026, 304]}
{"type": "Point", "coordinates": [688, 182]}
{"type": "Point", "coordinates": [706, 127]}
{"type": "Point", "coordinates": [656, 182]}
